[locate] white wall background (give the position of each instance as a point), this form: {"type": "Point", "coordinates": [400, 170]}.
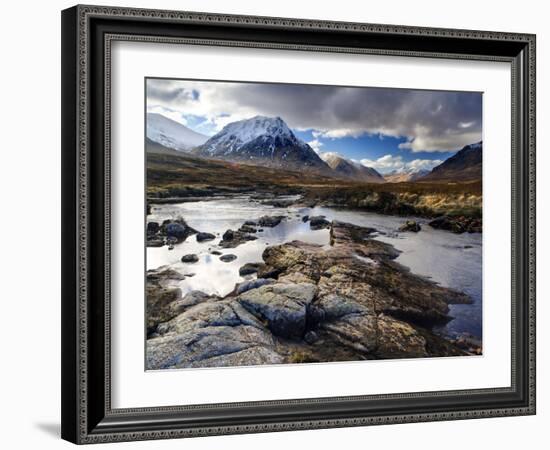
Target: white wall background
{"type": "Point", "coordinates": [30, 225]}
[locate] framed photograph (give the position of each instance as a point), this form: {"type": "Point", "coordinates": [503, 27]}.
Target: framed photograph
{"type": "Point", "coordinates": [278, 224]}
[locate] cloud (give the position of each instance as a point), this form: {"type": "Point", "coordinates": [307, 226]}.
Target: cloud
{"type": "Point", "coordinates": [167, 112]}
{"type": "Point", "coordinates": [428, 120]}
{"type": "Point", "coordinates": [316, 145]}
{"type": "Point", "coordinates": [389, 163]}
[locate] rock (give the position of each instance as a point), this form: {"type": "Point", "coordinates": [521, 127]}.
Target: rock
{"type": "Point", "coordinates": [270, 221]}
{"type": "Point", "coordinates": [347, 233]}
{"type": "Point", "coordinates": [268, 272]}
{"type": "Point", "coordinates": [249, 268]}
{"type": "Point", "coordinates": [252, 356]}
{"type": "Point", "coordinates": [211, 334]}
{"type": "Point", "coordinates": [252, 284]}
{"type": "Point", "coordinates": [191, 258]}
{"type": "Point", "coordinates": [220, 346]}
{"type": "Point", "coordinates": [228, 235]}
{"type": "Point", "coordinates": [210, 313]}
{"type": "Point", "coordinates": [311, 337]}
{"type": "Point", "coordinates": [469, 344]}
{"type": "Point", "coordinates": [190, 299]}
{"type": "Point", "coordinates": [410, 225]}
{"type": "Point", "coordinates": [250, 223]}
{"type": "Point", "coordinates": [153, 227]}
{"type": "Point", "coordinates": [282, 306]}
{"type": "Point", "coordinates": [327, 304]}
{"type": "Point", "coordinates": [164, 275]}
{"type": "Point", "coordinates": [215, 252]}
{"type": "Point", "coordinates": [459, 224]}
{"type": "Point", "coordinates": [228, 257]}
{"type": "Point", "coordinates": [475, 227]}
{"type": "Point", "coordinates": [441, 223]}
{"type": "Point", "coordinates": [247, 229]}
{"type": "Point", "coordinates": [176, 229]}
{"type": "Point", "coordinates": [397, 339]}
{"type": "Point", "coordinates": [358, 332]}
{"type": "Point", "coordinates": [305, 218]}
{"type": "Point", "coordinates": [295, 277]}
{"type": "Point", "coordinates": [278, 203]}
{"type": "Point", "coordinates": [155, 243]}
{"type": "Point", "coordinates": [201, 237]}
{"type": "Point", "coordinates": [397, 291]}
{"type": "Point", "coordinates": [160, 293]}
{"type": "Point", "coordinates": [318, 223]}
{"type": "Point", "coordinates": [232, 239]}
{"type": "Point", "coordinates": [334, 306]}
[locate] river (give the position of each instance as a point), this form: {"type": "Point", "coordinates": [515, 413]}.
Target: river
{"type": "Point", "coordinates": [452, 260]}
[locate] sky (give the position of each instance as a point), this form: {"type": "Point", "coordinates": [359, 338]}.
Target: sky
{"type": "Point", "coordinates": [385, 128]}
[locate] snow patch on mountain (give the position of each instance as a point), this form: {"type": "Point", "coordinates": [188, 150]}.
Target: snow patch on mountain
{"type": "Point", "coordinates": [235, 134]}
{"type": "Point", "coordinates": [171, 134]}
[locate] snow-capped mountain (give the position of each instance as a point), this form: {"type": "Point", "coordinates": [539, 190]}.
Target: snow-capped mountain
{"type": "Point", "coordinates": [265, 141]}
{"type": "Point", "coordinates": [344, 168]}
{"type": "Point", "coordinates": [465, 165]}
{"type": "Point", "coordinates": [171, 134]}
{"type": "Point", "coordinates": [399, 177]}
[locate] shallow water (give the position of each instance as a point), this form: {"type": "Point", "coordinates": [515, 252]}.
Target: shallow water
{"type": "Point", "coordinates": [446, 258]}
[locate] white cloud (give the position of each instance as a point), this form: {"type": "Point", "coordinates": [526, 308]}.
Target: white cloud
{"type": "Point", "coordinates": [422, 164]}
{"type": "Point", "coordinates": [342, 132]}
{"type": "Point", "coordinates": [316, 145]}
{"type": "Point", "coordinates": [389, 163]}
{"type": "Point", "coordinates": [167, 112]}
{"type": "Point", "coordinates": [426, 142]}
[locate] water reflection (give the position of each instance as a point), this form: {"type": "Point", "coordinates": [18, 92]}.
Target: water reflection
{"type": "Point", "coordinates": [449, 259]}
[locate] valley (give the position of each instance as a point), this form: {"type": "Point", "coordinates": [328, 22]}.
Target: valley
{"type": "Point", "coordinates": [262, 251]}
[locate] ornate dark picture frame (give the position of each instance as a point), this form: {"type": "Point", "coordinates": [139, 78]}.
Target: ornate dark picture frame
{"type": "Point", "coordinates": [87, 35]}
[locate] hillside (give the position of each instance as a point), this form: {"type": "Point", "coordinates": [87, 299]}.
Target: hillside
{"type": "Point", "coordinates": [171, 134]}
{"type": "Point", "coordinates": [351, 170]}
{"type": "Point", "coordinates": [465, 165]}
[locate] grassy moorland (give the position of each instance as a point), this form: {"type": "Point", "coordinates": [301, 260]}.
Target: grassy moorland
{"type": "Point", "coordinates": [181, 176]}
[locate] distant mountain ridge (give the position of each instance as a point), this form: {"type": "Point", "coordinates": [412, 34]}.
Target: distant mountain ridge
{"type": "Point", "coordinates": [401, 177]}
{"type": "Point", "coordinates": [465, 165]}
{"type": "Point", "coordinates": [172, 134]}
{"type": "Point", "coordinates": [265, 141]}
{"type": "Point", "coordinates": [260, 140]}
{"type": "Point", "coordinates": [351, 170]}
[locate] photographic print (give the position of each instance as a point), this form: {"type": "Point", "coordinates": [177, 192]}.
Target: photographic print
{"type": "Point", "coordinates": [297, 223]}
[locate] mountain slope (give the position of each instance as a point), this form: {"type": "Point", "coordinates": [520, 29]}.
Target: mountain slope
{"type": "Point", "coordinates": [171, 134]}
{"type": "Point", "coordinates": [401, 177]}
{"type": "Point", "coordinates": [344, 168]}
{"type": "Point", "coordinates": [264, 141]}
{"type": "Point", "coordinates": [465, 165]}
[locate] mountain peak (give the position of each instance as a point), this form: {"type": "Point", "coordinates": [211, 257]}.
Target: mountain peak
{"type": "Point", "coordinates": [346, 168]}
{"type": "Point", "coordinates": [245, 130]}
{"type": "Point", "coordinates": [262, 140]}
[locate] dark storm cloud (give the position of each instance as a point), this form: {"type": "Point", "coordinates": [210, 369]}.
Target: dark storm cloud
{"type": "Point", "coordinates": [168, 91]}
{"type": "Point", "coordinates": [430, 120]}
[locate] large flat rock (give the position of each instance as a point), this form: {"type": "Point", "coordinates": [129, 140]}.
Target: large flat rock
{"type": "Point", "coordinates": [283, 306]}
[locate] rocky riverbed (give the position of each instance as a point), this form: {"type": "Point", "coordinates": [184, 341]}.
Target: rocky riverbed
{"type": "Point", "coordinates": [306, 302]}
